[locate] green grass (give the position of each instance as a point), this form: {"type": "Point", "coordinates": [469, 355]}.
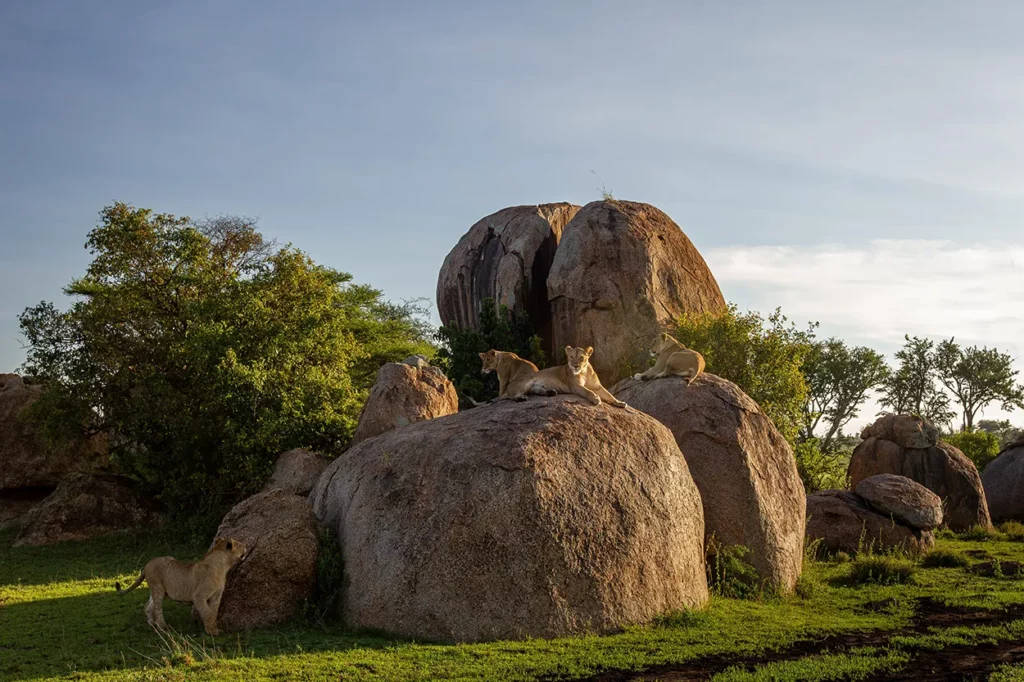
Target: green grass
{"type": "Point", "coordinates": [60, 619]}
{"type": "Point", "coordinates": [882, 569]}
{"type": "Point", "coordinates": [945, 558]}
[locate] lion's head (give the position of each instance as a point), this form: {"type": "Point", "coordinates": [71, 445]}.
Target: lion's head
{"type": "Point", "coordinates": [578, 359]}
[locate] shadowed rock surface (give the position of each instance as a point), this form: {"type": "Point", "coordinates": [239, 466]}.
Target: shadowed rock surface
{"type": "Point", "coordinates": [1003, 480]}
{"type": "Point", "coordinates": [85, 506]}
{"type": "Point", "coordinates": [402, 395]}
{"type": "Point", "coordinates": [907, 501]}
{"type": "Point", "coordinates": [843, 522]}
{"type": "Point", "coordinates": [745, 470]}
{"type": "Point", "coordinates": [297, 471]}
{"type": "Point", "coordinates": [537, 519]}
{"type": "Point", "coordinates": [505, 256]}
{"type": "Point", "coordinates": [941, 468]}
{"type": "Point", "coordinates": [278, 571]}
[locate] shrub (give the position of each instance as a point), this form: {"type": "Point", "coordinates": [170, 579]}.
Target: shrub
{"type": "Point", "coordinates": [499, 329]}
{"type": "Point", "coordinates": [979, 534]}
{"type": "Point", "coordinates": [730, 573]}
{"type": "Point", "coordinates": [208, 351]}
{"type": "Point", "coordinates": [881, 569]}
{"type": "Point", "coordinates": [762, 357]}
{"type": "Point", "coordinates": [819, 470]}
{"type": "Point", "coordinates": [980, 447]}
{"type": "Point", "coordinates": [945, 558]}
{"type": "Point", "coordinates": [1013, 530]}
{"type": "Point", "coordinates": [329, 576]}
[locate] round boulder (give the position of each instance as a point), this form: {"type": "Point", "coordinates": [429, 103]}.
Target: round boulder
{"type": "Point", "coordinates": [907, 501]}
{"type": "Point", "coordinates": [745, 470]}
{"type": "Point", "coordinates": [623, 271]}
{"type": "Point", "coordinates": [1003, 480]}
{"type": "Point", "coordinates": [841, 521]}
{"type": "Point", "coordinates": [297, 471]}
{"type": "Point", "coordinates": [85, 506]}
{"type": "Point", "coordinates": [941, 468]}
{"type": "Point", "coordinates": [506, 257]}
{"type": "Point", "coordinates": [404, 394]}
{"type": "Point", "coordinates": [278, 571]}
{"type": "Point", "coordinates": [907, 431]}
{"type": "Point", "coordinates": [544, 518]}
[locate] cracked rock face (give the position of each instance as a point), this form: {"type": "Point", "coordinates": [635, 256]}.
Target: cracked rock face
{"type": "Point", "coordinates": [841, 521]}
{"type": "Point", "coordinates": [404, 394]}
{"type": "Point", "coordinates": [623, 272]}
{"type": "Point", "coordinates": [745, 470]}
{"type": "Point", "coordinates": [545, 518]}
{"type": "Point", "coordinates": [506, 257]}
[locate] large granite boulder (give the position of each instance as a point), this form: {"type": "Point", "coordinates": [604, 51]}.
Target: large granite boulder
{"type": "Point", "coordinates": [85, 506]}
{"type": "Point", "coordinates": [1003, 480]}
{"type": "Point", "coordinates": [938, 466]}
{"type": "Point", "coordinates": [624, 271]}
{"type": "Point", "coordinates": [841, 521]}
{"type": "Point", "coordinates": [506, 257]}
{"type": "Point", "coordinates": [906, 430]}
{"type": "Point", "coordinates": [402, 395]}
{"type": "Point", "coordinates": [26, 462]}
{"type": "Point", "coordinates": [544, 518]}
{"type": "Point", "coordinates": [906, 501]}
{"type": "Point", "coordinates": [745, 470]}
{"type": "Point", "coordinates": [278, 571]}
{"type": "Point", "coordinates": [297, 471]}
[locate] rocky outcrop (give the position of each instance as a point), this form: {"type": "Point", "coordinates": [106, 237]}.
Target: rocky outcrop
{"type": "Point", "coordinates": [402, 395]}
{"type": "Point", "coordinates": [26, 462]}
{"type": "Point", "coordinates": [506, 257]}
{"type": "Point", "coordinates": [938, 466]}
{"type": "Point", "coordinates": [624, 271]}
{"type": "Point", "coordinates": [906, 501]}
{"type": "Point", "coordinates": [841, 521]}
{"type": "Point", "coordinates": [544, 518]}
{"type": "Point", "coordinates": [746, 473]}
{"type": "Point", "coordinates": [297, 471]}
{"type": "Point", "coordinates": [85, 506]}
{"type": "Point", "coordinates": [1003, 480]}
{"type": "Point", "coordinates": [907, 431]}
{"type": "Point", "coordinates": [278, 571]}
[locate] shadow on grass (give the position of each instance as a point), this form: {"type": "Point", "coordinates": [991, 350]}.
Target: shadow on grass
{"type": "Point", "coordinates": [106, 631]}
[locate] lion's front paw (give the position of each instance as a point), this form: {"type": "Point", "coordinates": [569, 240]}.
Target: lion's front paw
{"type": "Point", "coordinates": [595, 401]}
{"type": "Point", "coordinates": [638, 376]}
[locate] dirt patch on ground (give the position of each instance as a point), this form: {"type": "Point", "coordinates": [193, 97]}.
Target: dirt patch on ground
{"type": "Point", "coordinates": [952, 663]}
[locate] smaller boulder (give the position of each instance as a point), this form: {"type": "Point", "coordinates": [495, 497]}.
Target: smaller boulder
{"type": "Point", "coordinates": [1003, 480]}
{"type": "Point", "coordinates": [278, 571]}
{"type": "Point", "coordinates": [907, 431]}
{"type": "Point", "coordinates": [402, 395]}
{"type": "Point", "coordinates": [907, 501]}
{"type": "Point", "coordinates": [85, 506]}
{"type": "Point", "coordinates": [841, 521]}
{"type": "Point", "coordinates": [297, 471]}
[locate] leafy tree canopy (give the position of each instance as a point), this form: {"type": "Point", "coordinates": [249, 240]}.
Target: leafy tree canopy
{"type": "Point", "coordinates": [206, 350]}
{"type": "Point", "coordinates": [977, 377]}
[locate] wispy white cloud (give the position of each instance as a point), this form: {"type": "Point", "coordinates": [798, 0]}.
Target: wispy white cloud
{"type": "Point", "coordinates": [873, 294]}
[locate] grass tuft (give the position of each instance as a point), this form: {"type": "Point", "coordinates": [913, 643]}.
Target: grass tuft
{"type": "Point", "coordinates": [980, 534]}
{"type": "Point", "coordinates": [1013, 530]}
{"type": "Point", "coordinates": [945, 558]}
{"type": "Point", "coordinates": [882, 569]}
{"type": "Point", "coordinates": [730, 573]}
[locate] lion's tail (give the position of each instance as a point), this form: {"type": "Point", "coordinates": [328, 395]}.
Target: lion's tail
{"type": "Point", "coordinates": [138, 581]}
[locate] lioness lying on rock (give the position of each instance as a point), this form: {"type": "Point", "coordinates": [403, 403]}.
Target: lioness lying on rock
{"type": "Point", "coordinates": [201, 583]}
{"type": "Point", "coordinates": [674, 359]}
{"type": "Point", "coordinates": [518, 378]}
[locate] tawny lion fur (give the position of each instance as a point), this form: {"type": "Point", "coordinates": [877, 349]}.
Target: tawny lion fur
{"type": "Point", "coordinates": [201, 583]}
{"type": "Point", "coordinates": [674, 359]}
{"type": "Point", "coordinates": [518, 378]}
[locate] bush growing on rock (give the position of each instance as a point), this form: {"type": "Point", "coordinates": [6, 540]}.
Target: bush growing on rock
{"type": "Point", "coordinates": [980, 447]}
{"type": "Point", "coordinates": [209, 350]}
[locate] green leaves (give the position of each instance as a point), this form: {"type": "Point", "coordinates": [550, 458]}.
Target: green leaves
{"type": "Point", "coordinates": [207, 351]}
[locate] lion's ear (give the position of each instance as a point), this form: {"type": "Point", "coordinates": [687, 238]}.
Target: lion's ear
{"type": "Point", "coordinates": [590, 350]}
{"type": "Point", "coordinates": [664, 336]}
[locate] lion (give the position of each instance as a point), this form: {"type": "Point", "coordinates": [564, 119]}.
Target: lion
{"type": "Point", "coordinates": [520, 378]}
{"type": "Point", "coordinates": [201, 583]}
{"type": "Point", "coordinates": [673, 359]}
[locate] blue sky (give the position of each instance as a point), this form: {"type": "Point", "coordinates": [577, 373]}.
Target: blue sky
{"type": "Point", "coordinates": [372, 135]}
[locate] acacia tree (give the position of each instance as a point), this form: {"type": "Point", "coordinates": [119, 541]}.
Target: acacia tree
{"type": "Point", "coordinates": [912, 387]}
{"type": "Point", "coordinates": [206, 351]}
{"type": "Point", "coordinates": [839, 379]}
{"type": "Point", "coordinates": [977, 377]}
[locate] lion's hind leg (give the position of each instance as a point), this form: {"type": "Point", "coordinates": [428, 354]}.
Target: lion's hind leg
{"type": "Point", "coordinates": [155, 608]}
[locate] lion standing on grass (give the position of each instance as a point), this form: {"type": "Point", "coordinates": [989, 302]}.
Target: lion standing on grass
{"type": "Point", "coordinates": [201, 583]}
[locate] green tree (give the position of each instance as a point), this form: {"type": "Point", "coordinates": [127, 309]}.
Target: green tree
{"type": "Point", "coordinates": [977, 377]}
{"type": "Point", "coordinates": [206, 350]}
{"type": "Point", "coordinates": [1002, 429]}
{"type": "Point", "coordinates": [911, 387]}
{"type": "Point", "coordinates": [980, 447]}
{"type": "Point", "coordinates": [839, 379]}
{"type": "Point", "coordinates": [459, 350]}
{"type": "Point", "coordinates": [761, 356]}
